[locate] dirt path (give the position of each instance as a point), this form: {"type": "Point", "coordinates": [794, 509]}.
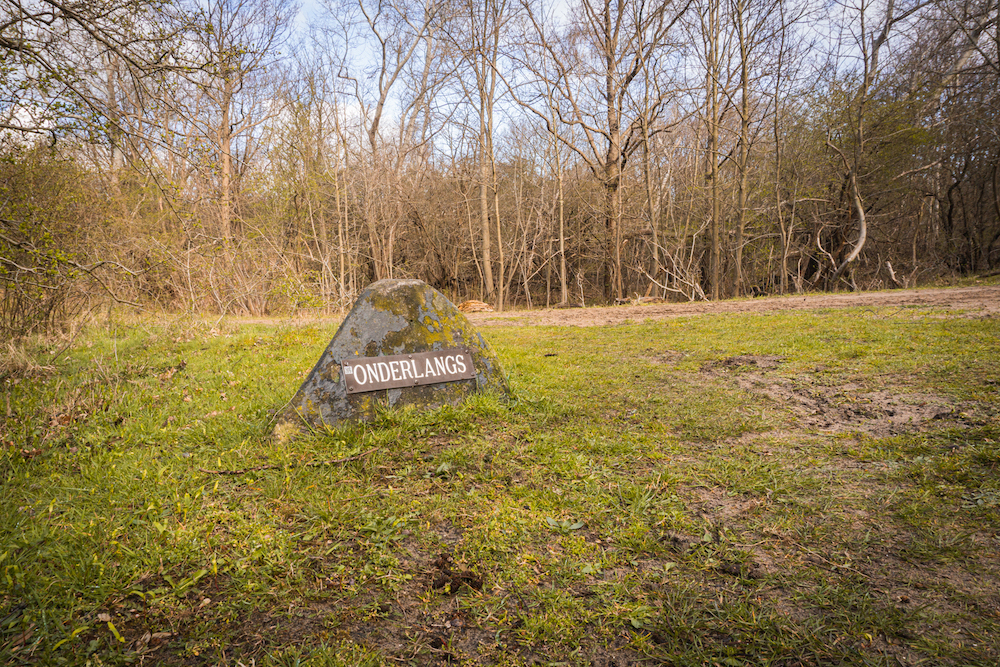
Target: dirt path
{"type": "Point", "coordinates": [981, 301]}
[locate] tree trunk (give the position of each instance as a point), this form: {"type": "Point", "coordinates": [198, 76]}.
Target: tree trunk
{"type": "Point", "coordinates": [612, 163]}
{"type": "Point", "coordinates": [484, 202]}
{"type": "Point", "coordinates": [564, 285]}
{"type": "Point", "coordinates": [784, 232]}
{"type": "Point", "coordinates": [712, 85]}
{"type": "Point", "coordinates": [501, 286]}
{"type": "Point", "coordinates": [744, 140]}
{"type": "Point", "coordinates": [652, 205]}
{"type": "Point", "coordinates": [225, 148]}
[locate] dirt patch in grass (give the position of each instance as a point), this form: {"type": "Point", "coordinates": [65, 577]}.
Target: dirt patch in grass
{"type": "Point", "coordinates": [844, 407]}
{"type": "Point", "coordinates": [438, 618]}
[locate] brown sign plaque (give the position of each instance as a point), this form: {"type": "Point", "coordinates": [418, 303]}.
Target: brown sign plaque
{"type": "Point", "coordinates": [407, 370]}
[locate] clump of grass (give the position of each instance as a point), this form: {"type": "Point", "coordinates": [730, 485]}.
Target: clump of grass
{"type": "Point", "coordinates": [17, 362]}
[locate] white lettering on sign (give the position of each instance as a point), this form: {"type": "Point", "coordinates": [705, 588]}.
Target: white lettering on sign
{"type": "Point", "coordinates": [407, 370]}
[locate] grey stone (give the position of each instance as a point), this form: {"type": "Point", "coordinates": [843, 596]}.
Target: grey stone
{"type": "Point", "coordinates": [390, 317]}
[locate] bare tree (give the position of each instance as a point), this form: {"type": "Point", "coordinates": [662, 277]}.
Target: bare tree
{"type": "Point", "coordinates": [53, 53]}
{"type": "Point", "coordinates": [869, 41]}
{"type": "Point", "coordinates": [66, 67]}
{"type": "Point", "coordinates": [755, 24]}
{"type": "Point", "coordinates": [240, 41]}
{"type": "Point", "coordinates": [712, 36]}
{"type": "Point", "coordinates": [593, 71]}
{"type": "Point", "coordinates": [478, 36]}
{"type": "Point", "coordinates": [383, 38]}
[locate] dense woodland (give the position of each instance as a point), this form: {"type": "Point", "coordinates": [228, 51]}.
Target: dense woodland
{"type": "Point", "coordinates": [255, 157]}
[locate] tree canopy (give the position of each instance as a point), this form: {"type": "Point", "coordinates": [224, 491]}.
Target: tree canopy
{"type": "Point", "coordinates": [242, 156]}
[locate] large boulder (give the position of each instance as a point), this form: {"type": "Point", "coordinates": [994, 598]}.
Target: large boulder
{"type": "Point", "coordinates": [403, 343]}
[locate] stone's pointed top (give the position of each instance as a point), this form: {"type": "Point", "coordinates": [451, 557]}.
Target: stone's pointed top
{"type": "Point", "coordinates": [390, 285]}
{"type": "Point", "coordinates": [393, 317]}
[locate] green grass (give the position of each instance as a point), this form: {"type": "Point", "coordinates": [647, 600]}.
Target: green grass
{"type": "Point", "coordinates": [645, 498]}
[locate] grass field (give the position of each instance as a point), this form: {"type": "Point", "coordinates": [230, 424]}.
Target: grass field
{"type": "Point", "coordinates": [803, 488]}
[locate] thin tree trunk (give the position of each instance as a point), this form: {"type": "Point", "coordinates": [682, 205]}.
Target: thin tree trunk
{"type": "Point", "coordinates": [651, 204]}
{"type": "Point", "coordinates": [563, 277]}
{"type": "Point", "coordinates": [501, 285]}
{"type": "Point", "coordinates": [342, 250]}
{"type": "Point", "coordinates": [744, 147]}
{"type": "Point", "coordinates": [225, 148]}
{"type": "Point", "coordinates": [612, 163]}
{"type": "Point", "coordinates": [784, 232]}
{"type": "Point", "coordinates": [484, 206]}
{"type": "Point", "coordinates": [712, 85]}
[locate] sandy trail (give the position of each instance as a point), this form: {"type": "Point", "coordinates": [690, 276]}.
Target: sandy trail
{"type": "Point", "coordinates": [980, 301]}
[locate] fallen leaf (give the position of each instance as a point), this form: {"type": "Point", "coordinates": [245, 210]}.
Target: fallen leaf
{"type": "Point", "coordinates": [158, 637]}
{"type": "Point", "coordinates": [143, 642]}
